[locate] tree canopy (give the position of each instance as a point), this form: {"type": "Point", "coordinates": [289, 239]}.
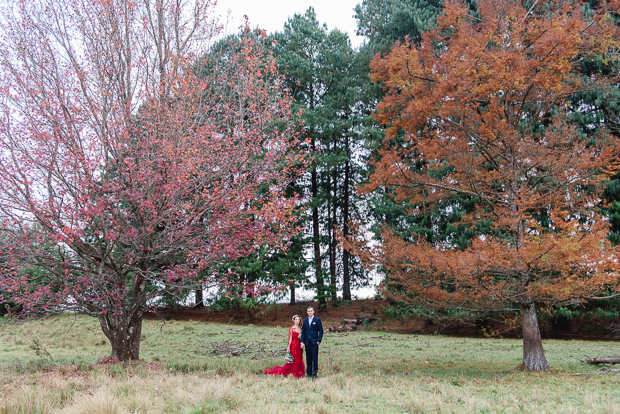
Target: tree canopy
{"type": "Point", "coordinates": [126, 171]}
{"type": "Point", "coordinates": [482, 105]}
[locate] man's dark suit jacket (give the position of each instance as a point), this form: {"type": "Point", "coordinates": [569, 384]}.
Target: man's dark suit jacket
{"type": "Point", "coordinates": [312, 334]}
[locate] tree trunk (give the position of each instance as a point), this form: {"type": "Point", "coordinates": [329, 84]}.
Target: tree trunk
{"type": "Point", "coordinates": [199, 299]}
{"type": "Point", "coordinates": [533, 353]}
{"type": "Point", "coordinates": [124, 335]}
{"type": "Point", "coordinates": [332, 239]}
{"type": "Point", "coordinates": [124, 326]}
{"type": "Point", "coordinates": [346, 275]}
{"type": "Point", "coordinates": [292, 301]}
{"type": "Point", "coordinates": [320, 286]}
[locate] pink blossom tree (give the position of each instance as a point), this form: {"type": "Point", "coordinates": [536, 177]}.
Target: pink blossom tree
{"type": "Point", "coordinates": [128, 167]}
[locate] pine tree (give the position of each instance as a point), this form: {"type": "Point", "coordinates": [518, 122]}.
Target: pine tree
{"type": "Point", "coordinates": [319, 69]}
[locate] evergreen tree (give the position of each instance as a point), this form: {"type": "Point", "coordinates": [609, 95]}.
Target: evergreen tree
{"type": "Point", "coordinates": [386, 21]}
{"type": "Point", "coordinates": [319, 69]}
{"type": "Point", "coordinates": [268, 267]}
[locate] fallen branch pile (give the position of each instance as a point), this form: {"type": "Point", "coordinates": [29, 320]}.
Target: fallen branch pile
{"type": "Point", "coordinates": [365, 345]}
{"type": "Point", "coordinates": [349, 325]}
{"type": "Point", "coordinates": [604, 370]}
{"type": "Point", "coordinates": [602, 360]}
{"type": "Point", "coordinates": [230, 348]}
{"type": "Point", "coordinates": [607, 371]}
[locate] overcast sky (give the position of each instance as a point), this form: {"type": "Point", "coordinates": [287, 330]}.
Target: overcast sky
{"type": "Point", "coordinates": [272, 14]}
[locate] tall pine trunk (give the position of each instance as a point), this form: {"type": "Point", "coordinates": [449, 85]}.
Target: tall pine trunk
{"type": "Point", "coordinates": [332, 238]}
{"type": "Point", "coordinates": [316, 236]}
{"type": "Point", "coordinates": [533, 353]}
{"type": "Point", "coordinates": [292, 300]}
{"type": "Point", "coordinates": [346, 276]}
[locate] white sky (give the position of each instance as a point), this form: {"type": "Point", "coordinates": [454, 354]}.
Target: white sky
{"type": "Point", "coordinates": [272, 14]}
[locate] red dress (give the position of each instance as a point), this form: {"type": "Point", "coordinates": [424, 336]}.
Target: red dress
{"type": "Point", "coordinates": [297, 368]}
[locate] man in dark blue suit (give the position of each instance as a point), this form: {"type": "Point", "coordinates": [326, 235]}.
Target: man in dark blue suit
{"type": "Point", "coordinates": [311, 337]}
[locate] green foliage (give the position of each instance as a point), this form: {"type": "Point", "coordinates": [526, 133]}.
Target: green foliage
{"type": "Point", "coordinates": [253, 278]}
{"type": "Point", "coordinates": [563, 312]}
{"type": "Point", "coordinates": [599, 309]}
{"type": "Point", "coordinates": [402, 310]}
{"type": "Point", "coordinates": [323, 74]}
{"type": "Point", "coordinates": [385, 21]}
{"type": "Point", "coordinates": [600, 313]}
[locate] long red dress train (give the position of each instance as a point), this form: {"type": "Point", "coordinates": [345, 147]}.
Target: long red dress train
{"type": "Point", "coordinates": [297, 368]}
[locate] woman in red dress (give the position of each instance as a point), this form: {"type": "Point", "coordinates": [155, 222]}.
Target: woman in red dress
{"type": "Point", "coordinates": [297, 367]}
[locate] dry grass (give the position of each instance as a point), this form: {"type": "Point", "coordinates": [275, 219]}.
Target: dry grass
{"type": "Point", "coordinates": [396, 374]}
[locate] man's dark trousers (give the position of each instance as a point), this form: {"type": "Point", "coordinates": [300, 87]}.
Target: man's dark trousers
{"type": "Point", "coordinates": [312, 359]}
{"type": "Point", "coordinates": [311, 336]}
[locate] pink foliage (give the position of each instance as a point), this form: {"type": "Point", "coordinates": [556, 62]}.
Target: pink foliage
{"type": "Point", "coordinates": [123, 165]}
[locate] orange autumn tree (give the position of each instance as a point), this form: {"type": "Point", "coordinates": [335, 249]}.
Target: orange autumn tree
{"type": "Point", "coordinates": [479, 109]}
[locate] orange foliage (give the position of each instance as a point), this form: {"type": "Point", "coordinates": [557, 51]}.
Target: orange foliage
{"type": "Point", "coordinates": [484, 97]}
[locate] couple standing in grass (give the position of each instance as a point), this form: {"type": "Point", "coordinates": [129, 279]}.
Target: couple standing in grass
{"type": "Point", "coordinates": [306, 336]}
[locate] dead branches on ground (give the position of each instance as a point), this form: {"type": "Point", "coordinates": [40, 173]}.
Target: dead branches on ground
{"type": "Point", "coordinates": [601, 360]}
{"type": "Point", "coordinates": [230, 348]}
{"type": "Point", "coordinates": [606, 369]}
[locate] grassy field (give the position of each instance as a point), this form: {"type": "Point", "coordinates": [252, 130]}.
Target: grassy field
{"type": "Point", "coordinates": [362, 372]}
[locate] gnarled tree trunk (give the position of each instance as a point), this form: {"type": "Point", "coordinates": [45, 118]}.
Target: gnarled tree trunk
{"type": "Point", "coordinates": [124, 335]}
{"type": "Point", "coordinates": [124, 328]}
{"type": "Point", "coordinates": [533, 353]}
